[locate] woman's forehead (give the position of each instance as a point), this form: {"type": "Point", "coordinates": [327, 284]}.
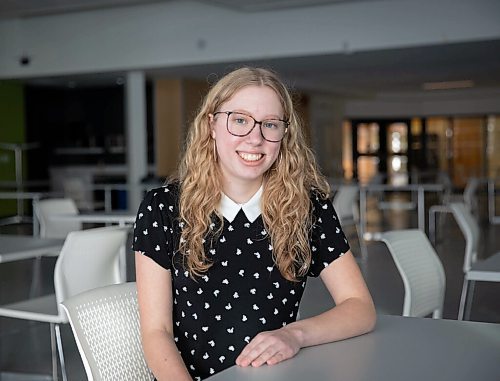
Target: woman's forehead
{"type": "Point", "coordinates": [263, 98]}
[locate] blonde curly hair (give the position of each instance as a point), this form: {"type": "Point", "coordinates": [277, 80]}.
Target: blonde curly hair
{"type": "Point", "coordinates": [285, 204]}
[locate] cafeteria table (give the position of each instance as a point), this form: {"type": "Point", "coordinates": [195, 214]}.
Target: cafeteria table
{"type": "Point", "coordinates": [400, 348]}
{"type": "Point", "coordinates": [19, 247]}
{"type": "Point", "coordinates": [419, 189]}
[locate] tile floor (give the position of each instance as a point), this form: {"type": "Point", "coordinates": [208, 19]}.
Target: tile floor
{"type": "Point", "coordinates": [25, 346]}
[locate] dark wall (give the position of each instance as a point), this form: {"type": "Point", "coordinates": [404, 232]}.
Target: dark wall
{"type": "Point", "coordinates": [62, 118]}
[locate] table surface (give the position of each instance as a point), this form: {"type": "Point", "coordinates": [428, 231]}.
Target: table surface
{"type": "Point", "coordinates": [428, 187]}
{"type": "Point", "coordinates": [18, 247]}
{"type": "Point", "coordinates": [410, 349]}
{"type": "Point", "coordinates": [98, 217]}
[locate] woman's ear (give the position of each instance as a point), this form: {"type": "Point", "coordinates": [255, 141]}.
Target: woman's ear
{"type": "Point", "coordinates": [211, 123]}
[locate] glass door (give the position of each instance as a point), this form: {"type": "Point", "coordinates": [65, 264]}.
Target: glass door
{"type": "Point", "coordinates": [381, 151]}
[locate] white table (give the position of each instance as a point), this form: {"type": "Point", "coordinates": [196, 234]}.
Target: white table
{"type": "Point", "coordinates": [19, 217]}
{"type": "Point", "coordinates": [120, 218]}
{"type": "Point", "coordinates": [19, 247]}
{"type": "Point", "coordinates": [409, 349]}
{"type": "Point", "coordinates": [419, 188]}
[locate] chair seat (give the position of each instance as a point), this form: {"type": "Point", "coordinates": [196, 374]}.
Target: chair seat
{"type": "Point", "coordinates": [487, 270]}
{"type": "Point", "coordinates": [42, 309]}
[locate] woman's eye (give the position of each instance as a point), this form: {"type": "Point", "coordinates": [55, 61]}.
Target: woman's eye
{"type": "Point", "coordinates": [240, 121]}
{"type": "Point", "coordinates": [270, 125]}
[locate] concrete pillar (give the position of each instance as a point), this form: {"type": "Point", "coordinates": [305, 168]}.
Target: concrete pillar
{"type": "Point", "coordinates": [135, 121]}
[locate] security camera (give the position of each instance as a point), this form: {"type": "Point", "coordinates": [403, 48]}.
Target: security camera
{"type": "Point", "coordinates": [24, 60]}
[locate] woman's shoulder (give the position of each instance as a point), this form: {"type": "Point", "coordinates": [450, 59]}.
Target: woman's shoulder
{"type": "Point", "coordinates": [317, 196]}
{"type": "Point", "coordinates": [167, 192]}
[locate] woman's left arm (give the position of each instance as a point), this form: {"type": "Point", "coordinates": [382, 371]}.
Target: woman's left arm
{"type": "Point", "coordinates": [354, 314]}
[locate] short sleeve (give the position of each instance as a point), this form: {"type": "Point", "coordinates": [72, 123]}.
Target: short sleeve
{"type": "Point", "coordinates": [328, 241]}
{"type": "Point", "coordinates": [153, 228]}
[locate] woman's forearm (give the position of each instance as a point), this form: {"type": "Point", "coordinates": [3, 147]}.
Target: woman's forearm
{"type": "Point", "coordinates": [352, 317]}
{"type": "Point", "coordinates": [163, 358]}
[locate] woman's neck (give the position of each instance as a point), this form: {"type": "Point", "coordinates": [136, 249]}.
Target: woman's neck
{"type": "Point", "coordinates": [241, 192]}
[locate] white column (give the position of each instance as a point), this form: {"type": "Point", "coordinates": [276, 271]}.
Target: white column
{"type": "Point", "coordinates": [135, 121]}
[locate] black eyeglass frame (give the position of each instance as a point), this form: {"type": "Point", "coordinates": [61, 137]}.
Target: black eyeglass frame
{"type": "Point", "coordinates": [255, 122]}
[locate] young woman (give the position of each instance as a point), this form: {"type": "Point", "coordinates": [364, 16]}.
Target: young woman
{"type": "Point", "coordinates": [224, 251]}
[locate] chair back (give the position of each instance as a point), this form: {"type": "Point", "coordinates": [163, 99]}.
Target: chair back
{"type": "Point", "coordinates": [470, 229]}
{"type": "Point", "coordinates": [55, 228]}
{"type": "Point", "coordinates": [470, 197]}
{"type": "Point", "coordinates": [421, 270]}
{"type": "Point", "coordinates": [105, 323]}
{"type": "Point", "coordinates": [345, 203]}
{"type": "Point", "coordinates": [79, 189]}
{"type": "Point", "coordinates": [89, 259]}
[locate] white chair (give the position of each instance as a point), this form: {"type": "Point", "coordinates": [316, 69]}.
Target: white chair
{"type": "Point", "coordinates": [55, 228]}
{"type": "Point", "coordinates": [88, 259]}
{"type": "Point", "coordinates": [421, 270]}
{"type": "Point", "coordinates": [468, 197]}
{"type": "Point", "coordinates": [345, 202]}
{"type": "Point", "coordinates": [487, 270]}
{"type": "Point", "coordinates": [105, 323]}
{"type": "Point", "coordinates": [81, 191]}
{"type": "Point", "coordinates": [52, 228]}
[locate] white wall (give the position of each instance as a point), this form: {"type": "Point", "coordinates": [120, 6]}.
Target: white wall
{"type": "Point", "coordinates": [186, 32]}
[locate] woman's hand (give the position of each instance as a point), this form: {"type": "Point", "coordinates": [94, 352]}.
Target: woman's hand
{"type": "Point", "coordinates": [270, 348]}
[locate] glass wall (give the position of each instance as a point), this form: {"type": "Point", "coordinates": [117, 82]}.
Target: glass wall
{"type": "Point", "coordinates": [392, 149]}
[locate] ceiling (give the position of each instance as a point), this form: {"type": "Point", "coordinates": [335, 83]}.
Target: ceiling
{"type": "Point", "coordinates": [31, 8]}
{"type": "Point", "coordinates": [370, 72]}
{"type": "Point", "coordinates": [352, 73]}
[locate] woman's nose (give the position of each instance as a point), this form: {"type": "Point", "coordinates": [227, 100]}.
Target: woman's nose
{"type": "Point", "coordinates": [255, 136]}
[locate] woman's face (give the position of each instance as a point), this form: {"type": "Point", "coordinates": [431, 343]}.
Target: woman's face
{"type": "Point", "coordinates": [244, 160]}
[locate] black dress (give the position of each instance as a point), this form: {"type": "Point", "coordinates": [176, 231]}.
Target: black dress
{"type": "Point", "coordinates": [243, 293]}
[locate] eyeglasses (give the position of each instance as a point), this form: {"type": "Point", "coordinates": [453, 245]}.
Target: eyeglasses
{"type": "Point", "coordinates": [238, 124]}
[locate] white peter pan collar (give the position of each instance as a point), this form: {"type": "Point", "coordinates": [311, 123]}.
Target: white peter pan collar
{"type": "Point", "coordinates": [251, 208]}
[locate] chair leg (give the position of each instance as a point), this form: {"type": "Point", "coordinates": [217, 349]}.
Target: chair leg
{"type": "Point", "coordinates": [61, 353]}
{"type": "Point", "coordinates": [432, 226]}
{"type": "Point", "coordinates": [53, 351]}
{"type": "Point", "coordinates": [36, 280]}
{"type": "Point", "coordinates": [463, 299]}
{"type": "Point", "coordinates": [437, 314]}
{"type": "Point", "coordinates": [362, 243]}
{"type": "Point", "coordinates": [468, 305]}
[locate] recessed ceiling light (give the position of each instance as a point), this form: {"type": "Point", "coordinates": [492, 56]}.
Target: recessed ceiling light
{"type": "Point", "coordinates": [463, 84]}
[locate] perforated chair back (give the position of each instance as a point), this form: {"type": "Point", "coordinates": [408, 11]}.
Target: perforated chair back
{"type": "Point", "coordinates": [345, 203]}
{"type": "Point", "coordinates": [421, 270]}
{"type": "Point", "coordinates": [105, 323]}
{"type": "Point", "coordinates": [56, 228]}
{"type": "Point", "coordinates": [470, 229]}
